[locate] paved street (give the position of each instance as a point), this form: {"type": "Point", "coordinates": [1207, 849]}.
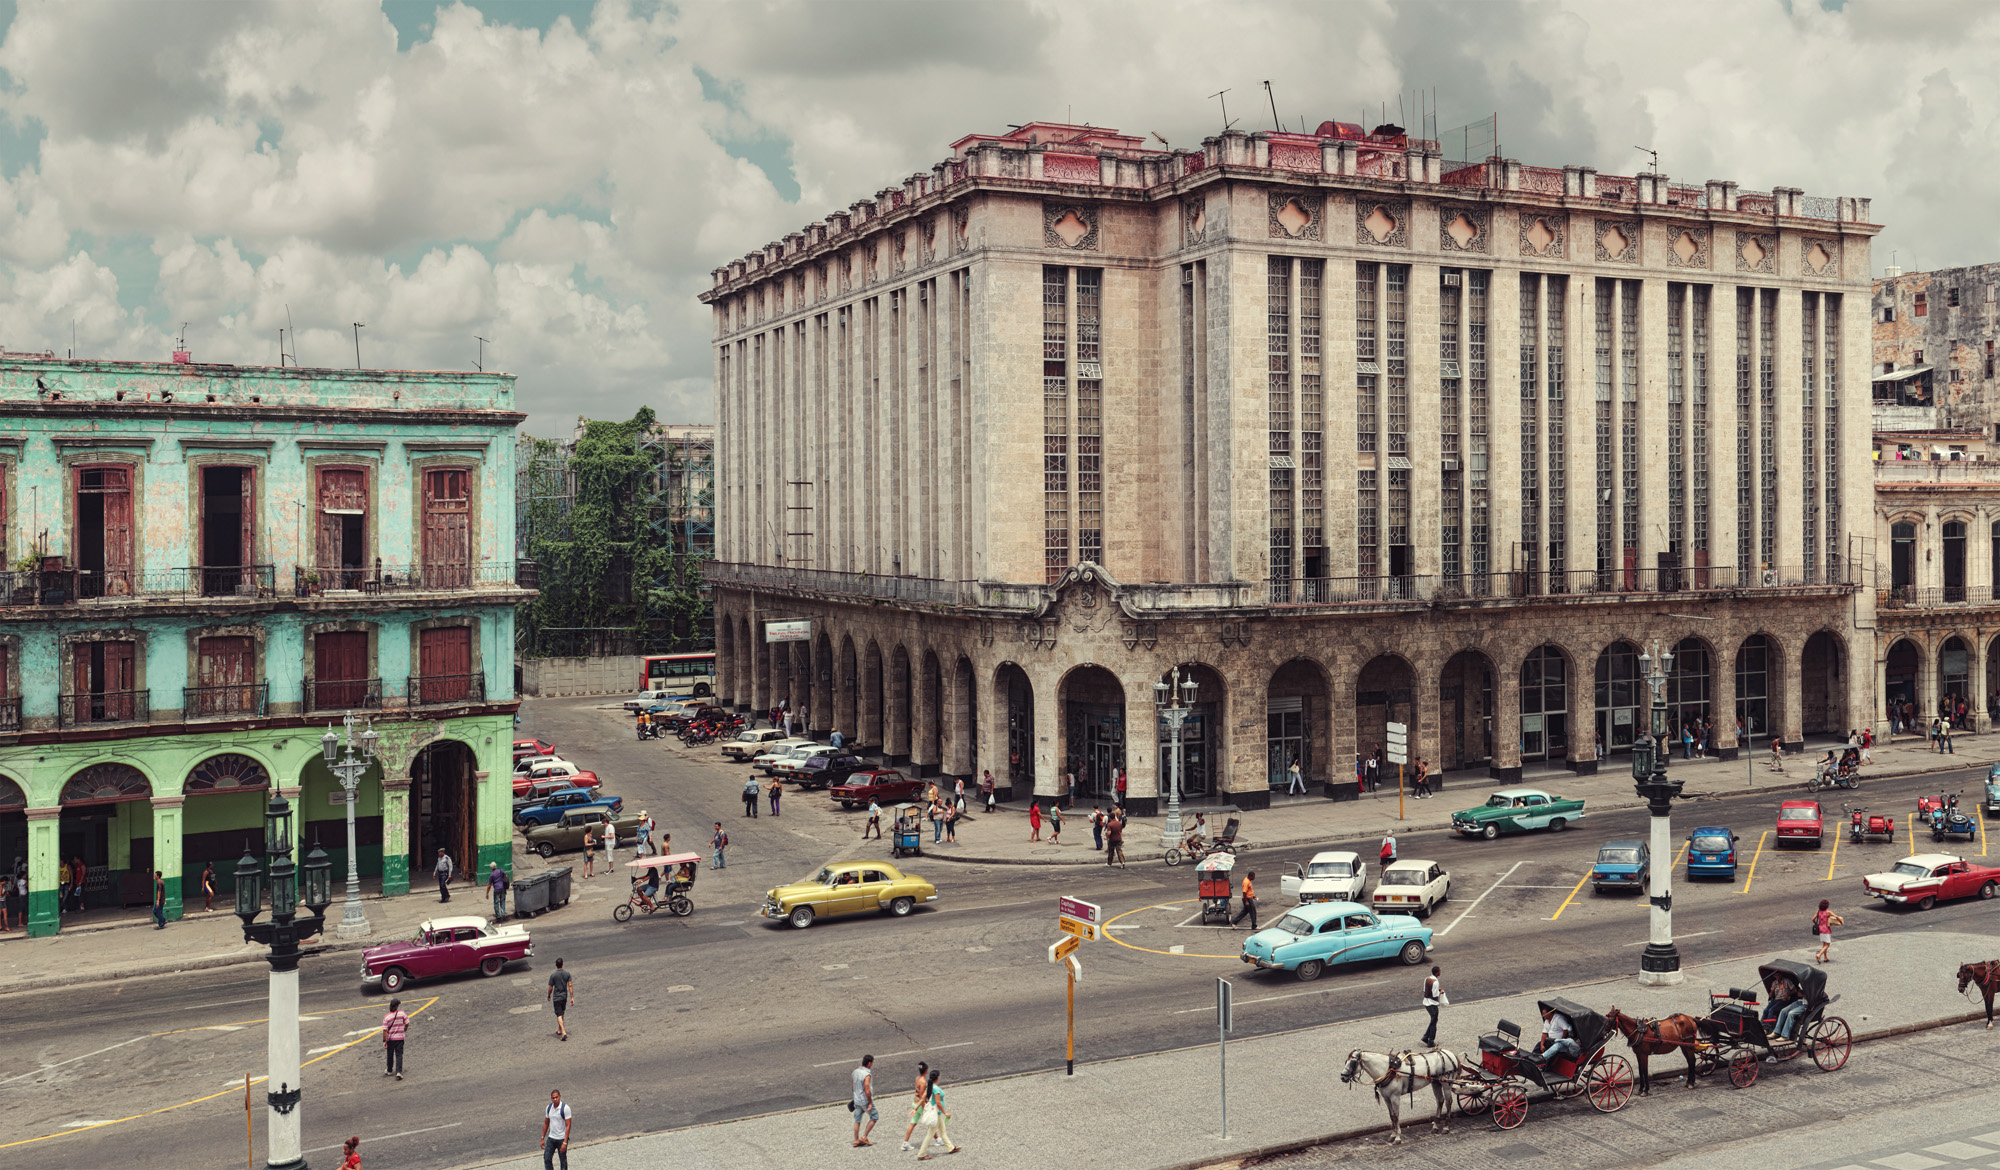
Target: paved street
{"type": "Point", "coordinates": [719, 1016]}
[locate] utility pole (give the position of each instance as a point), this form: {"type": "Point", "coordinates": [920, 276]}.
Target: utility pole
{"type": "Point", "coordinates": [357, 344]}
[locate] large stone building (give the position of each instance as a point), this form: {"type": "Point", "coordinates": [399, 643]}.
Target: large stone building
{"type": "Point", "coordinates": [209, 564]}
{"type": "Point", "coordinates": [1352, 434]}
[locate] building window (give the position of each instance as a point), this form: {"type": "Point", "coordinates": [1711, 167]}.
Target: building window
{"type": "Point", "coordinates": [1809, 354]}
{"type": "Point", "coordinates": [1698, 428]}
{"type": "Point", "coordinates": [1746, 526]}
{"type": "Point", "coordinates": [1767, 441]}
{"type": "Point", "coordinates": [1753, 683]}
{"type": "Point", "coordinates": [1605, 462]}
{"type": "Point", "coordinates": [1451, 382]}
{"type": "Point", "coordinates": [1478, 560]}
{"type": "Point", "coordinates": [1619, 711]}
{"type": "Point", "coordinates": [1055, 422]}
{"type": "Point", "coordinates": [340, 555]}
{"type": "Point", "coordinates": [1278, 418]}
{"type": "Point", "coordinates": [1311, 454]}
{"type": "Point", "coordinates": [102, 508]}
{"type": "Point", "coordinates": [1089, 417]}
{"type": "Point", "coordinates": [1903, 557]}
{"type": "Point", "coordinates": [340, 673]}
{"type": "Point", "coordinates": [1951, 298]}
{"type": "Point", "coordinates": [1628, 426]}
{"type": "Point", "coordinates": [1555, 290]}
{"type": "Point", "coordinates": [105, 678]}
{"type": "Point", "coordinates": [1676, 422]}
{"type": "Point", "coordinates": [226, 679]}
{"type": "Point", "coordinates": [447, 547]}
{"type": "Point", "coordinates": [1531, 426]}
{"type": "Point", "coordinates": [228, 531]}
{"type": "Point", "coordinates": [1366, 359]}
{"type": "Point", "coordinates": [444, 668]}
{"type": "Point", "coordinates": [1922, 310]}
{"type": "Point", "coordinates": [1829, 373]}
{"type": "Point", "coordinates": [1544, 704]}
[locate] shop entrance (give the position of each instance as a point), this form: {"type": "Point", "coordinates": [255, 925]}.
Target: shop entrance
{"type": "Point", "coordinates": [442, 808]}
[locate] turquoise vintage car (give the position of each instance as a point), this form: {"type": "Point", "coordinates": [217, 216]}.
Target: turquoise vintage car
{"type": "Point", "coordinates": [1517, 810]}
{"type": "Point", "coordinates": [1311, 938]}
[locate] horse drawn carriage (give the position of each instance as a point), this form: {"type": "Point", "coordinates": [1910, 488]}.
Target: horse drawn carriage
{"type": "Point", "coordinates": [1736, 1034]}
{"type": "Point", "coordinates": [1506, 1071]}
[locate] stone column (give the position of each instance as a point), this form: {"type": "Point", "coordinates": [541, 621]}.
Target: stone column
{"type": "Point", "coordinates": [1582, 755]}
{"type": "Point", "coordinates": [1881, 714]}
{"type": "Point", "coordinates": [1048, 743]}
{"type": "Point", "coordinates": [1722, 529]}
{"type": "Point", "coordinates": [291, 794]}
{"type": "Point", "coordinates": [44, 857]}
{"type": "Point", "coordinates": [959, 711]}
{"type": "Point", "coordinates": [1426, 736]}
{"type": "Point", "coordinates": [1341, 719]}
{"type": "Point", "coordinates": [395, 836]}
{"type": "Point", "coordinates": [1245, 738]}
{"type": "Point", "coordinates": [1723, 685]}
{"type": "Point", "coordinates": [1506, 765]}
{"type": "Point", "coordinates": [167, 847]}
{"type": "Point", "coordinates": [1927, 680]}
{"type": "Point", "coordinates": [1975, 680]}
{"type": "Point", "coordinates": [760, 669]}
{"type": "Point", "coordinates": [1148, 762]}
{"type": "Point", "coordinates": [1791, 693]}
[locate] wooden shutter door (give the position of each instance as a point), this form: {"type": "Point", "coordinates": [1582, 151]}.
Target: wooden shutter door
{"type": "Point", "coordinates": [341, 492]}
{"type": "Point", "coordinates": [227, 669]}
{"type": "Point", "coordinates": [118, 680]}
{"type": "Point", "coordinates": [444, 663]}
{"type": "Point", "coordinates": [340, 670]}
{"type": "Point", "coordinates": [118, 533]}
{"type": "Point", "coordinates": [447, 529]}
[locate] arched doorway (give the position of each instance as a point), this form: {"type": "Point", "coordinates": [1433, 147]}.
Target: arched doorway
{"type": "Point", "coordinates": [1016, 698]}
{"type": "Point", "coordinates": [1384, 693]}
{"type": "Point", "coordinates": [1092, 703]}
{"type": "Point", "coordinates": [224, 809]}
{"type": "Point", "coordinates": [1545, 686]}
{"type": "Point", "coordinates": [1689, 692]}
{"type": "Point", "coordinates": [929, 748]}
{"type": "Point", "coordinates": [1621, 709]}
{"type": "Point", "coordinates": [822, 686]}
{"type": "Point", "coordinates": [1954, 678]}
{"type": "Point", "coordinates": [781, 674]}
{"type": "Point", "coordinates": [1297, 724]}
{"type": "Point", "coordinates": [1465, 711]}
{"type": "Point", "coordinates": [1823, 685]}
{"type": "Point", "coordinates": [1756, 691]}
{"type": "Point", "coordinates": [14, 821]}
{"type": "Point", "coordinates": [1899, 682]}
{"type": "Point", "coordinates": [1993, 681]}
{"type": "Point", "coordinates": [442, 808]}
{"type": "Point", "coordinates": [871, 699]}
{"type": "Point", "coordinates": [898, 743]}
{"type": "Point", "coordinates": [107, 819]}
{"type": "Point", "coordinates": [1204, 737]}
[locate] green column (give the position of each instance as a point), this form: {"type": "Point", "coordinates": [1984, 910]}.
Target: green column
{"type": "Point", "coordinates": [484, 787]}
{"type": "Point", "coordinates": [493, 826]}
{"type": "Point", "coordinates": [167, 849]}
{"type": "Point", "coordinates": [395, 838]}
{"type": "Point", "coordinates": [44, 843]}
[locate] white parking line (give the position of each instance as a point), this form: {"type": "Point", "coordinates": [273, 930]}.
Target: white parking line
{"type": "Point", "coordinates": [385, 1137]}
{"type": "Point", "coordinates": [1481, 898]}
{"type": "Point", "coordinates": [907, 1052]}
{"type": "Point", "coordinates": [1677, 938]}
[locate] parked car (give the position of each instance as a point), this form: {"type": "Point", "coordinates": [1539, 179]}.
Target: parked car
{"type": "Point", "coordinates": [523, 763]}
{"type": "Point", "coordinates": [1333, 876]}
{"type": "Point", "coordinates": [751, 744]}
{"type": "Point", "coordinates": [446, 946]}
{"type": "Point", "coordinates": [1309, 939]}
{"type": "Point", "coordinates": [1517, 810]}
{"type": "Point", "coordinates": [1929, 878]}
{"type": "Point", "coordinates": [884, 785]}
{"type": "Point", "coordinates": [555, 770]}
{"type": "Point", "coordinates": [647, 699]}
{"type": "Point", "coordinates": [539, 791]}
{"type": "Point", "coordinates": [1800, 823]}
{"type": "Point", "coordinates": [533, 747]}
{"type": "Point", "coordinates": [848, 887]}
{"type": "Point", "coordinates": [677, 718]}
{"type": "Point", "coordinates": [1414, 887]}
{"type": "Point", "coordinates": [551, 809]}
{"type": "Point", "coordinates": [777, 750]}
{"type": "Point", "coordinates": [1991, 805]}
{"type": "Point", "coordinates": [1621, 865]}
{"type": "Point", "coordinates": [567, 832]}
{"type": "Point", "coordinates": [791, 765]}
{"type": "Point", "coordinates": [1712, 852]}
{"type": "Point", "coordinates": [824, 771]}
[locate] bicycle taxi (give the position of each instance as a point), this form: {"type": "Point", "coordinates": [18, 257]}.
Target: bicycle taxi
{"type": "Point", "coordinates": [660, 883]}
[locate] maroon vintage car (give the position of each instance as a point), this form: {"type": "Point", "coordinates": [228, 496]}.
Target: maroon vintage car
{"type": "Point", "coordinates": [885, 785]}
{"type": "Point", "coordinates": [446, 946]}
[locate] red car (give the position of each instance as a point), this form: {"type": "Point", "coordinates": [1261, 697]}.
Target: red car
{"type": "Point", "coordinates": [446, 946]}
{"type": "Point", "coordinates": [885, 785]}
{"type": "Point", "coordinates": [1929, 878]}
{"type": "Point", "coordinates": [533, 747]}
{"type": "Point", "coordinates": [571, 775]}
{"type": "Point", "coordinates": [1800, 823]}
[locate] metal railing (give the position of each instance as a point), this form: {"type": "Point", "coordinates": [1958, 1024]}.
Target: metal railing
{"type": "Point", "coordinates": [1353, 590]}
{"type": "Point", "coordinates": [881, 587]}
{"type": "Point", "coordinates": [1933, 596]}
{"type": "Point", "coordinates": [312, 580]}
{"type": "Point", "coordinates": [358, 694]}
{"type": "Point", "coordinates": [1937, 471]}
{"type": "Point", "coordinates": [435, 689]}
{"type": "Point", "coordinates": [10, 714]}
{"type": "Point", "coordinates": [236, 699]}
{"type": "Point", "coordinates": [76, 710]}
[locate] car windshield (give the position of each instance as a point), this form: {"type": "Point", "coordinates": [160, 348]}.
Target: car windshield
{"type": "Point", "coordinates": [1403, 877]}
{"type": "Point", "coordinates": [1798, 814]}
{"type": "Point", "coordinates": [1293, 924]}
{"type": "Point", "coordinates": [1911, 869]}
{"type": "Point", "coordinates": [1330, 869]}
{"type": "Point", "coordinates": [1617, 857]}
{"type": "Point", "coordinates": [1499, 802]}
{"type": "Point", "coordinates": [824, 877]}
{"type": "Point", "coordinates": [1710, 844]}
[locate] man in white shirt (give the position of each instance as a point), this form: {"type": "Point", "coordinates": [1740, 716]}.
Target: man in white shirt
{"type": "Point", "coordinates": [555, 1132]}
{"type": "Point", "coordinates": [1555, 1037]}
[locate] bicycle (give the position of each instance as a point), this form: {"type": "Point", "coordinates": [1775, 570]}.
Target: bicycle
{"type": "Point", "coordinates": [1198, 850]}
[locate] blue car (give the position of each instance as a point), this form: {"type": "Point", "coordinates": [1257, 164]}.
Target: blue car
{"type": "Point", "coordinates": [551, 808]}
{"type": "Point", "coordinates": [1308, 940]}
{"type": "Point", "coordinates": [1621, 865]}
{"type": "Point", "coordinates": [1712, 852]}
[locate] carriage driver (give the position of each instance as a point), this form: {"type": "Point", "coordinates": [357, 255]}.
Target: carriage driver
{"type": "Point", "coordinates": [1555, 1037]}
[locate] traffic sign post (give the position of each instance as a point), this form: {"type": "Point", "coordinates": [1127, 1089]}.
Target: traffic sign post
{"type": "Point", "coordinates": [1062, 948]}
{"type": "Point", "coordinates": [1225, 1003]}
{"type": "Point", "coordinates": [1399, 755]}
{"type": "Point", "coordinates": [1079, 920]}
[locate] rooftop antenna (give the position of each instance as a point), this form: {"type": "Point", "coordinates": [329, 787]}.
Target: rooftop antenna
{"type": "Point", "coordinates": [181, 342]}
{"type": "Point", "coordinates": [358, 327]}
{"type": "Point", "coordinates": [480, 362]}
{"type": "Point", "coordinates": [1275, 123]}
{"type": "Point", "coordinates": [294, 331]}
{"type": "Point", "coordinates": [1226, 123]}
{"type": "Point", "coordinates": [1654, 153]}
{"type": "Point", "coordinates": [72, 339]}
{"type": "Point", "coordinates": [281, 347]}
{"type": "Point", "coordinates": [1163, 141]}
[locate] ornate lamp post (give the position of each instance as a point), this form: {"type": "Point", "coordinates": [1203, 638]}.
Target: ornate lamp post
{"type": "Point", "coordinates": [282, 934]}
{"type": "Point", "coordinates": [1660, 963]}
{"type": "Point", "coordinates": [348, 766]}
{"type": "Point", "coordinates": [1176, 704]}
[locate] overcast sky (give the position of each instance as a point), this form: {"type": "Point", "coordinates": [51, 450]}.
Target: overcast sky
{"type": "Point", "coordinates": [559, 177]}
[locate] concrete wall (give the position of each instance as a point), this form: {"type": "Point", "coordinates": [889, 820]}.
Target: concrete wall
{"type": "Point", "coordinates": [557, 677]}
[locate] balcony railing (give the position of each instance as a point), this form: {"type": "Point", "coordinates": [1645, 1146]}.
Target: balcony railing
{"type": "Point", "coordinates": [359, 694]}
{"type": "Point", "coordinates": [1353, 590]}
{"type": "Point", "coordinates": [61, 587]}
{"type": "Point", "coordinates": [432, 690]}
{"type": "Point", "coordinates": [10, 714]}
{"type": "Point", "coordinates": [78, 710]}
{"type": "Point", "coordinates": [1937, 471]}
{"type": "Point", "coordinates": [235, 699]}
{"type": "Point", "coordinates": [311, 580]}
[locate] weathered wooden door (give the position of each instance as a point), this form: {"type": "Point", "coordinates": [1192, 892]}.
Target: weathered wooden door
{"type": "Point", "coordinates": [111, 487]}
{"type": "Point", "coordinates": [227, 676]}
{"type": "Point", "coordinates": [343, 492]}
{"type": "Point", "coordinates": [447, 529]}
{"type": "Point", "coordinates": [444, 665]}
{"type": "Point", "coordinates": [104, 679]}
{"type": "Point", "coordinates": [340, 670]}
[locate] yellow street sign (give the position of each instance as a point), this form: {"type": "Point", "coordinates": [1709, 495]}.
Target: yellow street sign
{"type": "Point", "coordinates": [1061, 948]}
{"type": "Point", "coordinates": [1080, 929]}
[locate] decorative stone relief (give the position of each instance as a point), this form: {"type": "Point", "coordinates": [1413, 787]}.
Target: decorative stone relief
{"type": "Point", "coordinates": [1543, 235]}
{"type": "Point", "coordinates": [927, 242]}
{"type": "Point", "coordinates": [1137, 634]}
{"type": "Point", "coordinates": [1756, 252]}
{"type": "Point", "coordinates": [1194, 222]}
{"type": "Point", "coordinates": [1465, 229]}
{"type": "Point", "coordinates": [1618, 240]}
{"type": "Point", "coordinates": [1072, 168]}
{"type": "Point", "coordinates": [1384, 225]}
{"type": "Point", "coordinates": [1070, 225]}
{"type": "Point", "coordinates": [1233, 633]}
{"type": "Point", "coordinates": [1688, 248]}
{"type": "Point", "coordinates": [1296, 215]}
{"type": "Point", "coordinates": [1819, 257]}
{"type": "Point", "coordinates": [961, 228]}
{"type": "Point", "coordinates": [899, 243]}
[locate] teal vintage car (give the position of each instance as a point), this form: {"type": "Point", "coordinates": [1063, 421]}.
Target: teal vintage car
{"type": "Point", "coordinates": [1308, 940]}
{"type": "Point", "coordinates": [1517, 810]}
{"type": "Point", "coordinates": [1991, 805]}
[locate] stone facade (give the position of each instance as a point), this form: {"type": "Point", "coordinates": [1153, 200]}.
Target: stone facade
{"type": "Point", "coordinates": [1356, 439]}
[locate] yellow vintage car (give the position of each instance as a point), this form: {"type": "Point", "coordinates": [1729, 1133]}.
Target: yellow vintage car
{"type": "Point", "coordinates": [848, 887]}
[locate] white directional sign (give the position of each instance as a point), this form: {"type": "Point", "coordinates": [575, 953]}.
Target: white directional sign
{"type": "Point", "coordinates": [1399, 743]}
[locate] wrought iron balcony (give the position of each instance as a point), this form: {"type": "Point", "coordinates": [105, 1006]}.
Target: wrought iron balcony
{"type": "Point", "coordinates": [360, 694]}
{"type": "Point", "coordinates": [79, 710]}
{"type": "Point", "coordinates": [242, 699]}
{"type": "Point", "coordinates": [434, 690]}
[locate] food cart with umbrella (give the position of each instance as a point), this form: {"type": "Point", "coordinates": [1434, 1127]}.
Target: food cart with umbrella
{"type": "Point", "coordinates": [1212, 877]}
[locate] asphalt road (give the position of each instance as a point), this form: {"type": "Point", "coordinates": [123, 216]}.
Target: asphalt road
{"type": "Point", "coordinates": [721, 1015]}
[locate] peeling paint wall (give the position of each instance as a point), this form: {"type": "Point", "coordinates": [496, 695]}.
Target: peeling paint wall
{"type": "Point", "coordinates": [1948, 319]}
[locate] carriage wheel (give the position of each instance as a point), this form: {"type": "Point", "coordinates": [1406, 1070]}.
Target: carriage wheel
{"type": "Point", "coordinates": [1610, 1084]}
{"type": "Point", "coordinates": [1830, 1042]}
{"type": "Point", "coordinates": [1743, 1069]}
{"type": "Point", "coordinates": [1510, 1107]}
{"type": "Point", "coordinates": [1473, 1102]}
{"type": "Point", "coordinates": [1566, 1090]}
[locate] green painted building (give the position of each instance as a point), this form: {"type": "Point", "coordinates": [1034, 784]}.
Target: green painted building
{"type": "Point", "coordinates": [207, 565]}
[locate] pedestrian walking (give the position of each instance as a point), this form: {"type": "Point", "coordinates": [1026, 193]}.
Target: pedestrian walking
{"type": "Point", "coordinates": [773, 792]}
{"type": "Point", "coordinates": [557, 1125]}
{"type": "Point", "coordinates": [1121, 784]}
{"type": "Point", "coordinates": [590, 851]}
{"type": "Point", "coordinates": [1388, 847]}
{"type": "Point", "coordinates": [934, 1116]}
{"type": "Point", "coordinates": [718, 841]}
{"type": "Point", "coordinates": [442, 871]}
{"type": "Point", "coordinates": [1375, 770]}
{"type": "Point", "coordinates": [1824, 920]}
{"type": "Point", "coordinates": [395, 1028]}
{"type": "Point", "coordinates": [1249, 900]}
{"type": "Point", "coordinates": [562, 990]}
{"type": "Point", "coordinates": [1114, 840]}
{"type": "Point", "coordinates": [1434, 998]}
{"type": "Point", "coordinates": [1034, 821]}
{"type": "Point", "coordinates": [78, 875]}
{"type": "Point", "coordinates": [645, 834]}
{"type": "Point", "coordinates": [1423, 784]}
{"type": "Point", "coordinates": [986, 788]}
{"type": "Point", "coordinates": [496, 880]}
{"type": "Point", "coordinates": [750, 793]}
{"type": "Point", "coordinates": [159, 899]}
{"type": "Point", "coordinates": [1777, 755]}
{"type": "Point", "coordinates": [350, 1153]}
{"type": "Point", "coordinates": [958, 794]}
{"type": "Point", "coordinates": [1297, 783]}
{"type": "Point", "coordinates": [863, 1101]}
{"type": "Point", "coordinates": [934, 812]}
{"type": "Point", "coordinates": [951, 825]}
{"type": "Point", "coordinates": [208, 886]}
{"type": "Point", "coordinates": [874, 824]}
{"type": "Point", "coordinates": [838, 740]}
{"type": "Point", "coordinates": [917, 1102]}
{"type": "Point", "coordinates": [1097, 828]}
{"type": "Point", "coordinates": [1867, 743]}
{"type": "Point", "coordinates": [1944, 738]}
{"type": "Point", "coordinates": [1055, 824]}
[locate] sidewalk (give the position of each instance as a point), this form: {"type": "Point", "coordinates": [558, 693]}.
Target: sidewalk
{"type": "Point", "coordinates": [1303, 821]}
{"type": "Point", "coordinates": [1160, 1111]}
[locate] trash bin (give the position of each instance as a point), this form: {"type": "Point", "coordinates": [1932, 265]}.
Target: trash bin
{"type": "Point", "coordinates": [558, 888]}
{"type": "Point", "coordinates": [531, 895]}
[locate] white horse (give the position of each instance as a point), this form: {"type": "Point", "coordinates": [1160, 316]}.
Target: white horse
{"type": "Point", "coordinates": [1396, 1075]}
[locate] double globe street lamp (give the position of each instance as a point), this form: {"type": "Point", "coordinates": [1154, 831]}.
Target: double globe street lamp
{"type": "Point", "coordinates": [282, 934]}
{"type": "Point", "coordinates": [1660, 963]}
{"type": "Point", "coordinates": [1176, 706]}
{"type": "Point", "coordinates": [348, 766]}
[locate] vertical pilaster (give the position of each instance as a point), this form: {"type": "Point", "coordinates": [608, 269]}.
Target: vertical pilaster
{"type": "Point", "coordinates": [1791, 691]}
{"type": "Point", "coordinates": [1506, 766]}
{"type": "Point", "coordinates": [1723, 683]}
{"type": "Point", "coordinates": [1146, 761]}
{"type": "Point", "coordinates": [1503, 397]}
{"type": "Point", "coordinates": [1580, 422]}
{"type": "Point", "coordinates": [1722, 515]}
{"type": "Point", "coordinates": [396, 836]}
{"type": "Point", "coordinates": [44, 844]}
{"type": "Point", "coordinates": [1788, 356]}
{"type": "Point", "coordinates": [1337, 307]}
{"type": "Point", "coordinates": [1426, 446]}
{"type": "Point", "coordinates": [1048, 740]}
{"type": "Point", "coordinates": [1654, 538]}
{"type": "Point", "coordinates": [167, 849]}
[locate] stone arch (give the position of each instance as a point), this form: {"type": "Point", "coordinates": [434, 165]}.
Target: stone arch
{"type": "Point", "coordinates": [872, 723]}
{"type": "Point", "coordinates": [1954, 676]}
{"type": "Point", "coordinates": [1205, 738]}
{"type": "Point", "coordinates": [224, 772]}
{"type": "Point", "coordinates": [1014, 713]}
{"type": "Point", "coordinates": [1548, 682]}
{"type": "Point", "coordinates": [725, 660]}
{"type": "Point", "coordinates": [1384, 693]}
{"type": "Point", "coordinates": [1690, 690]}
{"type": "Point", "coordinates": [444, 810]}
{"type": "Point", "coordinates": [1823, 684]}
{"type": "Point", "coordinates": [821, 707]}
{"type": "Point", "coordinates": [927, 752]}
{"type": "Point", "coordinates": [106, 782]}
{"type": "Point", "coordinates": [1760, 677]}
{"type": "Point", "coordinates": [1991, 704]}
{"type": "Point", "coordinates": [900, 693]}
{"type": "Point", "coordinates": [961, 722]}
{"type": "Point", "coordinates": [1298, 723]}
{"type": "Point", "coordinates": [1466, 695]}
{"type": "Point", "coordinates": [1090, 734]}
{"type": "Point", "coordinates": [1902, 670]}
{"type": "Point", "coordinates": [12, 796]}
{"type": "Point", "coordinates": [847, 695]}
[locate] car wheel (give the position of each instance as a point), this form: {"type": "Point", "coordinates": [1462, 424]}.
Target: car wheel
{"type": "Point", "coordinates": [1926, 902]}
{"type": "Point", "coordinates": [1558, 825]}
{"type": "Point", "coordinates": [802, 917]}
{"type": "Point", "coordinates": [1490, 832]}
{"type": "Point", "coordinates": [395, 979]}
{"type": "Point", "coordinates": [848, 805]}
{"type": "Point", "coordinates": [1988, 890]}
{"type": "Point", "coordinates": [546, 849]}
{"type": "Point", "coordinates": [1412, 953]}
{"type": "Point", "coordinates": [491, 965]}
{"type": "Point", "coordinates": [1310, 970]}
{"type": "Point", "coordinates": [901, 907]}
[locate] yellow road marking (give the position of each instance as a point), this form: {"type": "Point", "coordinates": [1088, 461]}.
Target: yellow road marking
{"type": "Point", "coordinates": [1758, 856]}
{"type": "Point", "coordinates": [229, 1092]}
{"type": "Point", "coordinates": [1831, 860]}
{"type": "Point", "coordinates": [1572, 896]}
{"type": "Point", "coordinates": [1149, 950]}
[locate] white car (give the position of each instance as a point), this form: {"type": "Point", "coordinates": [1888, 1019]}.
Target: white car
{"type": "Point", "coordinates": [778, 750]}
{"type": "Point", "coordinates": [549, 769]}
{"type": "Point", "coordinates": [1333, 876]}
{"type": "Point", "coordinates": [1412, 887]}
{"type": "Point", "coordinates": [645, 699]}
{"type": "Point", "coordinates": [749, 744]}
{"type": "Point", "coordinates": [526, 764]}
{"type": "Point", "coordinates": [794, 764]}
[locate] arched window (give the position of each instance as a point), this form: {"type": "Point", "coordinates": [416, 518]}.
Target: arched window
{"type": "Point", "coordinates": [1753, 690]}
{"type": "Point", "coordinates": [1619, 707]}
{"type": "Point", "coordinates": [1544, 704]}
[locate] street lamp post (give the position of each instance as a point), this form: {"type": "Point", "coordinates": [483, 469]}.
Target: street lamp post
{"type": "Point", "coordinates": [348, 766]}
{"type": "Point", "coordinates": [283, 933]}
{"type": "Point", "coordinates": [1175, 703]}
{"type": "Point", "coordinates": [1660, 963]}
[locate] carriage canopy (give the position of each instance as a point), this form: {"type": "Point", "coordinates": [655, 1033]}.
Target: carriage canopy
{"type": "Point", "coordinates": [1811, 980]}
{"type": "Point", "coordinates": [1587, 1027]}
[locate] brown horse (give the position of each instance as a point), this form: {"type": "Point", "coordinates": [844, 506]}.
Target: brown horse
{"type": "Point", "coordinates": [1987, 976]}
{"type": "Point", "coordinates": [1649, 1038]}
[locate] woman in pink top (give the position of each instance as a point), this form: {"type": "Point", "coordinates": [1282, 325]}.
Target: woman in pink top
{"type": "Point", "coordinates": [1034, 820]}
